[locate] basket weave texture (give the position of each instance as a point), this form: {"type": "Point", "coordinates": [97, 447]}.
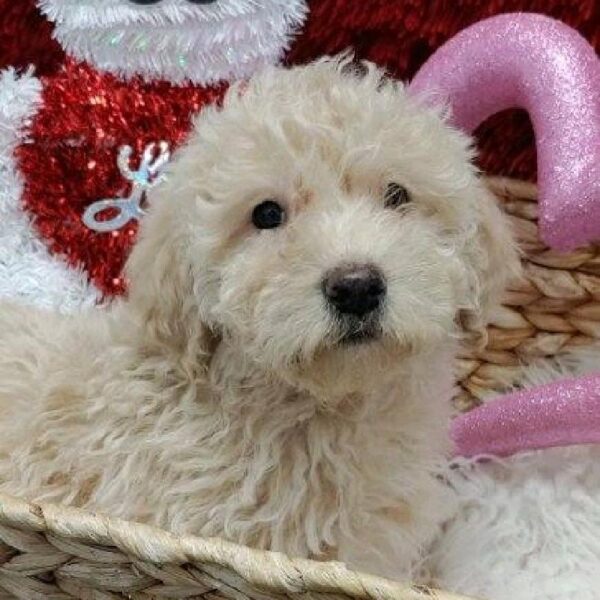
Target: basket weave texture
{"type": "Point", "coordinates": [56, 553]}
{"type": "Point", "coordinates": [553, 308]}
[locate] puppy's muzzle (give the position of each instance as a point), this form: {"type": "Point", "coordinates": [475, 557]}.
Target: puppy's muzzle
{"type": "Point", "coordinates": [355, 290]}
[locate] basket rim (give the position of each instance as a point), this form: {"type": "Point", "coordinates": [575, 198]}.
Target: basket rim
{"type": "Point", "coordinates": [272, 571]}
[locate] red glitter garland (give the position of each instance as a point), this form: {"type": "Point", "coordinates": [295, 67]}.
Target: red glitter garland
{"type": "Point", "coordinates": [402, 35]}
{"type": "Point", "coordinates": [69, 159]}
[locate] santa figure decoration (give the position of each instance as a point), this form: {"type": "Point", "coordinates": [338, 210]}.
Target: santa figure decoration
{"type": "Point", "coordinates": [135, 74]}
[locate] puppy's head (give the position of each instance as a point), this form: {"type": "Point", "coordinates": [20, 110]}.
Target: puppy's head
{"type": "Point", "coordinates": [323, 222]}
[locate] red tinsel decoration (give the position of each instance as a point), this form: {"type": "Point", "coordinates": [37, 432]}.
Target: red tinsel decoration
{"type": "Point", "coordinates": [69, 159]}
{"type": "Point", "coordinates": [402, 35]}
{"type": "Point", "coordinates": [26, 38]}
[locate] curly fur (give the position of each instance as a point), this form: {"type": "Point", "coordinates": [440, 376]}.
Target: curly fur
{"type": "Point", "coordinates": [218, 398]}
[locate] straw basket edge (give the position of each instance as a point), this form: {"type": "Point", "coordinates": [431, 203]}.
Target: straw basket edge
{"type": "Point", "coordinates": [60, 553]}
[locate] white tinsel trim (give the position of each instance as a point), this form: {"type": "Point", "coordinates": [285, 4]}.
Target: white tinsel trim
{"type": "Point", "coordinates": [176, 40]}
{"type": "Point", "coordinates": [28, 273]}
{"type": "Point", "coordinates": [90, 14]}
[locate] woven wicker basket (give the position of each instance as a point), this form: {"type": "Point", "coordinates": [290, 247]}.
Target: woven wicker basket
{"type": "Point", "coordinates": [58, 553]}
{"type": "Point", "coordinates": [554, 308]}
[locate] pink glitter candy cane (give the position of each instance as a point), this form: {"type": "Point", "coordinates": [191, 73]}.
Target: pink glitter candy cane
{"type": "Point", "coordinates": [563, 413]}
{"type": "Point", "coordinates": [539, 64]}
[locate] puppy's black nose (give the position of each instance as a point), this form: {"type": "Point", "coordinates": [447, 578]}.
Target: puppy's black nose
{"type": "Point", "coordinates": [355, 289]}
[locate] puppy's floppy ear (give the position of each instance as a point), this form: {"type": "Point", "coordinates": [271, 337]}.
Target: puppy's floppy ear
{"type": "Point", "coordinates": [161, 293]}
{"type": "Point", "coordinates": [491, 261]}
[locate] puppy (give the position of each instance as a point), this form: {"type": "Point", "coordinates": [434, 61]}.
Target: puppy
{"type": "Point", "coordinates": [280, 373]}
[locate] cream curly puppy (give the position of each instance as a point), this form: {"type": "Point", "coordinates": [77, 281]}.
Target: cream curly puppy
{"type": "Point", "coordinates": [280, 372]}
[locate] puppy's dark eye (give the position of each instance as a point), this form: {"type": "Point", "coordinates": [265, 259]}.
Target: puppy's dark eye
{"type": "Point", "coordinates": [145, 1]}
{"type": "Point", "coordinates": [396, 195]}
{"type": "Point", "coordinates": [268, 215]}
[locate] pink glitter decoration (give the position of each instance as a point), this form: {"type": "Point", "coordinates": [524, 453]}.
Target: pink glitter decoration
{"type": "Point", "coordinates": [537, 63]}
{"type": "Point", "coordinates": [563, 413]}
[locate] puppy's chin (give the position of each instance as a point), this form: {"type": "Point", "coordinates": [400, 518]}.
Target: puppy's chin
{"type": "Point", "coordinates": [357, 362]}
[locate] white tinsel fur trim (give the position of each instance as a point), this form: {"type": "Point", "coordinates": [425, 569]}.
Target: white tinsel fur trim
{"type": "Point", "coordinates": [529, 526]}
{"type": "Point", "coordinates": [28, 273]}
{"type": "Point", "coordinates": [174, 39]}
